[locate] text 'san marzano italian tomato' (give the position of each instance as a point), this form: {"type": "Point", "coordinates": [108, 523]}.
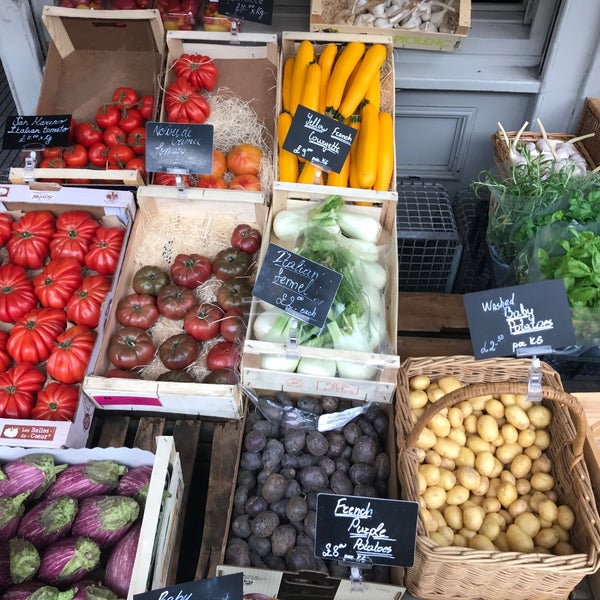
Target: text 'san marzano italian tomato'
{"type": "Point", "coordinates": [184, 104]}
{"type": "Point", "coordinates": [29, 243]}
{"type": "Point", "coordinates": [178, 351]}
{"type": "Point", "coordinates": [103, 253]}
{"type": "Point", "coordinates": [57, 282]}
{"type": "Point", "coordinates": [33, 335]}
{"type": "Point", "coordinates": [203, 322]}
{"type": "Point", "coordinates": [56, 402]}
{"type": "Point", "coordinates": [86, 302]}
{"type": "Point", "coordinates": [71, 353]}
{"type": "Point", "coordinates": [149, 279]}
{"type": "Point", "coordinates": [130, 347]}
{"type": "Point", "coordinates": [175, 301]}
{"type": "Point", "coordinates": [16, 293]}
{"type": "Point", "coordinates": [75, 230]}
{"type": "Point", "coordinates": [190, 270]}
{"type": "Point", "coordinates": [137, 310]}
{"type": "Point", "coordinates": [197, 69]}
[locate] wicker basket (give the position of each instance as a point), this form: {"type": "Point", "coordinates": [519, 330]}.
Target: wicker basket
{"type": "Point", "coordinates": [589, 122]}
{"type": "Point", "coordinates": [466, 574]}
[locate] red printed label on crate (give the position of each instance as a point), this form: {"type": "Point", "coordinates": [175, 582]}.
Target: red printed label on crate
{"type": "Point", "coordinates": [42, 433]}
{"type": "Point", "coordinates": [337, 388]}
{"type": "Point", "coordinates": [127, 400]}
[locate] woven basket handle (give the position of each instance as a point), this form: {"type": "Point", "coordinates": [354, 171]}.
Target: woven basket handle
{"type": "Point", "coordinates": [511, 387]}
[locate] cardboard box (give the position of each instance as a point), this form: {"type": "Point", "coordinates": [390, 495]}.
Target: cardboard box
{"type": "Point", "coordinates": [114, 208]}
{"type": "Point", "coordinates": [165, 226]}
{"type": "Point", "coordinates": [322, 14]}
{"type": "Point", "coordinates": [91, 53]}
{"type": "Point", "coordinates": [381, 388]}
{"type": "Point", "coordinates": [161, 512]}
{"type": "Point", "coordinates": [289, 45]}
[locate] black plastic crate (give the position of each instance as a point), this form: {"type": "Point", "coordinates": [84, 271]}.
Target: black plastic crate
{"type": "Point", "coordinates": [429, 244]}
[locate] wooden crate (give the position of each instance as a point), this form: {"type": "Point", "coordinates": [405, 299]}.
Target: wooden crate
{"type": "Point", "coordinates": [381, 388]}
{"type": "Point", "coordinates": [322, 13]}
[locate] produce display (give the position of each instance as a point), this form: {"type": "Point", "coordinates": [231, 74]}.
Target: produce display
{"type": "Point", "coordinates": [284, 465]}
{"type": "Point", "coordinates": [213, 20]}
{"type": "Point", "coordinates": [56, 272]}
{"type": "Point", "coordinates": [114, 139]}
{"type": "Point", "coordinates": [178, 14]}
{"type": "Point", "coordinates": [342, 82]}
{"type": "Point", "coordinates": [484, 477]}
{"type": "Point", "coordinates": [69, 531]}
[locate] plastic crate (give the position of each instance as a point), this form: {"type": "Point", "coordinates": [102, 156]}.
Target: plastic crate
{"type": "Point", "coordinates": [429, 244]}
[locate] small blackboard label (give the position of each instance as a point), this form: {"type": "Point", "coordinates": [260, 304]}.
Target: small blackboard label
{"type": "Point", "coordinates": [528, 319]}
{"type": "Point", "coordinates": [366, 531]}
{"type": "Point", "coordinates": [43, 130]}
{"type": "Point", "coordinates": [257, 11]}
{"type": "Point", "coordinates": [225, 587]}
{"type": "Point", "coordinates": [320, 140]}
{"type": "Point", "coordinates": [179, 148]}
{"type": "Point", "coordinates": [299, 286]}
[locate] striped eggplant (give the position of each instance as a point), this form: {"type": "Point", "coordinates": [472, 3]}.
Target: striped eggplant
{"type": "Point", "coordinates": [93, 590]}
{"type": "Point", "coordinates": [36, 590]}
{"type": "Point", "coordinates": [135, 483]}
{"type": "Point", "coordinates": [119, 567]}
{"type": "Point", "coordinates": [68, 560]}
{"type": "Point", "coordinates": [88, 479]}
{"type": "Point", "coordinates": [19, 561]}
{"type": "Point", "coordinates": [105, 519]}
{"type": "Point", "coordinates": [31, 473]}
{"type": "Point", "coordinates": [48, 521]}
{"type": "Point", "coordinates": [11, 511]}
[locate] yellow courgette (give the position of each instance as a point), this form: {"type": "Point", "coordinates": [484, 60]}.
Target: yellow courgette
{"type": "Point", "coordinates": [286, 91]}
{"type": "Point", "coordinates": [326, 60]}
{"type": "Point", "coordinates": [367, 149]}
{"type": "Point", "coordinates": [342, 69]}
{"type": "Point", "coordinates": [305, 54]}
{"type": "Point", "coordinates": [312, 83]}
{"type": "Point", "coordinates": [385, 162]}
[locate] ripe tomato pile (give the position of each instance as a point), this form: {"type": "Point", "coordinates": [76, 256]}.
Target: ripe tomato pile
{"type": "Point", "coordinates": [178, 14]}
{"type": "Point", "coordinates": [57, 272]}
{"type": "Point", "coordinates": [114, 139]}
{"type": "Point", "coordinates": [174, 294]}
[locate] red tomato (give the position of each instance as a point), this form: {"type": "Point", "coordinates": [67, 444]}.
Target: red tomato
{"type": "Point", "coordinates": [136, 138]}
{"type": "Point", "coordinates": [170, 179]}
{"type": "Point", "coordinates": [120, 155]}
{"type": "Point", "coordinates": [184, 104]}
{"type": "Point", "coordinates": [5, 358]}
{"type": "Point", "coordinates": [29, 243]}
{"type": "Point", "coordinates": [104, 251]}
{"type": "Point", "coordinates": [175, 301]}
{"type": "Point", "coordinates": [75, 156]}
{"type": "Point", "coordinates": [54, 152]}
{"type": "Point", "coordinates": [17, 388]}
{"type": "Point", "coordinates": [57, 281]}
{"type": "Point", "coordinates": [190, 270]}
{"type": "Point", "coordinates": [124, 96]}
{"type": "Point", "coordinates": [246, 238]}
{"type": "Point", "coordinates": [71, 353]}
{"type": "Point", "coordinates": [72, 128]}
{"type": "Point", "coordinates": [114, 136]}
{"type": "Point", "coordinates": [107, 115]}
{"type": "Point", "coordinates": [146, 106]}
{"type": "Point", "coordinates": [130, 347]}
{"type": "Point", "coordinates": [198, 70]}
{"type": "Point", "coordinates": [56, 162]}
{"type": "Point", "coordinates": [131, 118]}
{"type": "Point", "coordinates": [75, 230]}
{"type": "Point", "coordinates": [203, 322]}
{"type": "Point", "coordinates": [98, 154]}
{"type": "Point", "coordinates": [6, 222]}
{"type": "Point", "coordinates": [86, 303]}
{"type": "Point", "coordinates": [137, 310]}
{"type": "Point", "coordinates": [233, 326]}
{"type": "Point", "coordinates": [88, 133]}
{"type": "Point", "coordinates": [16, 293]}
{"type": "Point", "coordinates": [137, 164]}
{"type": "Point", "coordinates": [223, 355]}
{"type": "Point", "coordinates": [56, 402]}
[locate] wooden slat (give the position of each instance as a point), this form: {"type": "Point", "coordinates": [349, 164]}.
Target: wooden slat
{"type": "Point", "coordinates": [431, 312]}
{"type": "Point", "coordinates": [432, 346]}
{"type": "Point", "coordinates": [148, 429]}
{"type": "Point", "coordinates": [223, 473]}
{"type": "Point", "coordinates": [114, 432]}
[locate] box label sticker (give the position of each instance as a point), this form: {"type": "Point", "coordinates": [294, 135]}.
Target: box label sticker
{"type": "Point", "coordinates": [41, 433]}
{"type": "Point", "coordinates": [36, 130]}
{"type": "Point", "coordinates": [257, 11]}
{"type": "Point", "coordinates": [127, 400]}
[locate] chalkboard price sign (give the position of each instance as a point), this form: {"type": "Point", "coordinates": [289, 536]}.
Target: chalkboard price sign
{"type": "Point", "coordinates": [42, 130]}
{"type": "Point", "coordinates": [366, 531]}
{"type": "Point", "coordinates": [299, 286]}
{"type": "Point", "coordinates": [257, 11]}
{"type": "Point", "coordinates": [528, 319]}
{"type": "Point", "coordinates": [179, 148]}
{"type": "Point", "coordinates": [225, 587]}
{"type": "Point", "coordinates": [320, 140]}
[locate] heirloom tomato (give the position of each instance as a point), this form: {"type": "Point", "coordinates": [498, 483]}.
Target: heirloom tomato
{"type": "Point", "coordinates": [223, 355]}
{"type": "Point", "coordinates": [120, 155]}
{"type": "Point", "coordinates": [170, 179]}
{"type": "Point", "coordinates": [232, 326]}
{"type": "Point", "coordinates": [105, 249]}
{"type": "Point", "coordinates": [146, 106]}
{"type": "Point", "coordinates": [56, 402]}
{"type": "Point", "coordinates": [18, 386]}
{"type": "Point", "coordinates": [107, 115]}
{"type": "Point", "coordinates": [5, 227]}
{"type": "Point", "coordinates": [5, 358]}
{"type": "Point", "coordinates": [244, 159]}
{"type": "Point", "coordinates": [200, 71]}
{"type": "Point", "coordinates": [57, 281]}
{"type": "Point", "coordinates": [88, 133]}
{"type": "Point", "coordinates": [32, 337]}
{"type": "Point", "coordinates": [222, 377]}
{"type": "Point", "coordinates": [203, 322]}
{"type": "Point", "coordinates": [178, 351]}
{"type": "Point", "coordinates": [233, 293]}
{"type": "Point", "coordinates": [75, 156]}
{"type": "Point", "coordinates": [137, 310]}
{"type": "Point", "coordinates": [75, 230]}
{"type": "Point", "coordinates": [136, 138]}
{"type": "Point", "coordinates": [184, 104]}
{"type": "Point", "coordinates": [190, 270]}
{"type": "Point", "coordinates": [175, 301]}
{"type": "Point", "coordinates": [246, 238]}
{"type": "Point", "coordinates": [16, 293]}
{"type": "Point", "coordinates": [28, 245]}
{"type": "Point", "coordinates": [114, 136]}
{"type": "Point", "coordinates": [149, 279]}
{"type": "Point", "coordinates": [98, 154]}
{"type": "Point", "coordinates": [130, 347]}
{"type": "Point", "coordinates": [122, 373]}
{"type": "Point", "coordinates": [230, 262]}
{"type": "Point", "coordinates": [124, 96]}
{"type": "Point", "coordinates": [178, 375]}
{"type": "Point", "coordinates": [86, 303]}
{"type": "Point", "coordinates": [71, 353]}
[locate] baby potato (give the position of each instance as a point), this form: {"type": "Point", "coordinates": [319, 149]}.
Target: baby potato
{"type": "Point", "coordinates": [516, 416]}
{"type": "Point", "coordinates": [510, 433]}
{"type": "Point", "coordinates": [506, 516]}
{"type": "Point", "coordinates": [495, 408]}
{"type": "Point", "coordinates": [453, 516]}
{"type": "Point", "coordinates": [430, 523]}
{"type": "Point", "coordinates": [491, 505]}
{"type": "Point", "coordinates": [449, 383]}
{"type": "Point", "coordinates": [542, 482]}
{"type": "Point", "coordinates": [529, 523]}
{"type": "Point", "coordinates": [465, 458]}
{"type": "Point", "coordinates": [421, 483]}
{"type": "Point", "coordinates": [523, 402]}
{"type": "Point", "coordinates": [518, 540]}
{"type": "Point", "coordinates": [482, 488]}
{"type": "Point", "coordinates": [498, 467]}
{"type": "Point", "coordinates": [447, 533]}
{"type": "Point", "coordinates": [433, 458]}
{"type": "Point", "coordinates": [552, 495]}
{"type": "Point", "coordinates": [478, 445]}
{"type": "Point", "coordinates": [495, 483]}
{"type": "Point", "coordinates": [434, 393]}
{"type": "Point", "coordinates": [487, 428]}
{"type": "Point", "coordinates": [481, 542]}
{"type": "Point", "coordinates": [508, 477]}
{"type": "Point", "coordinates": [446, 448]}
{"type": "Point", "coordinates": [507, 452]}
{"type": "Point", "coordinates": [439, 425]}
{"type": "Point", "coordinates": [508, 399]}
{"type": "Point", "coordinates": [468, 477]}
{"type": "Point", "coordinates": [563, 549]}
{"type": "Point", "coordinates": [548, 511]}
{"type": "Point", "coordinates": [542, 438]}
{"type": "Point", "coordinates": [470, 423]}
{"type": "Point", "coordinates": [457, 495]}
{"type": "Point", "coordinates": [565, 517]}
{"type": "Point", "coordinates": [536, 499]}
{"type": "Point", "coordinates": [485, 463]}
{"type": "Point", "coordinates": [417, 398]}
{"type": "Point", "coordinates": [465, 407]}
{"type": "Point", "coordinates": [438, 538]}
{"type": "Point", "coordinates": [501, 542]}
{"type": "Point", "coordinates": [533, 451]}
{"type": "Point", "coordinates": [543, 464]}
{"type": "Point", "coordinates": [467, 533]}
{"type": "Point", "coordinates": [526, 438]}
{"type": "Point", "coordinates": [546, 538]}
{"type": "Point", "coordinates": [490, 528]}
{"type": "Point", "coordinates": [430, 473]}
{"type": "Point", "coordinates": [460, 541]}
{"type": "Point", "coordinates": [507, 494]}
{"type": "Point", "coordinates": [447, 478]}
{"type": "Point", "coordinates": [523, 487]}
{"type": "Point", "coordinates": [447, 463]}
{"type": "Point", "coordinates": [520, 466]}
{"type": "Point", "coordinates": [427, 439]}
{"type": "Point", "coordinates": [434, 496]}
{"type": "Point", "coordinates": [563, 534]}
{"type": "Point", "coordinates": [458, 435]}
{"type": "Point", "coordinates": [519, 506]}
{"type": "Point", "coordinates": [455, 416]}
{"type": "Point", "coordinates": [498, 441]}
{"type": "Point", "coordinates": [476, 500]}
{"type": "Point", "coordinates": [419, 382]}
{"type": "Point", "coordinates": [478, 402]}
{"type": "Point", "coordinates": [497, 517]}
{"type": "Point", "coordinates": [439, 517]}
{"type": "Point", "coordinates": [473, 517]}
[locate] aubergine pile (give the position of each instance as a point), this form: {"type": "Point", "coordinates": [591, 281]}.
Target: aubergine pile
{"type": "Point", "coordinates": [69, 531]}
{"type": "Point", "coordinates": [284, 466]}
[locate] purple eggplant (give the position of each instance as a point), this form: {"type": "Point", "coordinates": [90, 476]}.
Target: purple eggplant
{"type": "Point", "coordinates": [11, 511]}
{"type": "Point", "coordinates": [31, 473]}
{"type": "Point", "coordinates": [19, 561]}
{"type": "Point", "coordinates": [68, 560]}
{"type": "Point", "coordinates": [36, 590]}
{"type": "Point", "coordinates": [135, 483]}
{"type": "Point", "coordinates": [119, 567]}
{"type": "Point", "coordinates": [105, 519]}
{"type": "Point", "coordinates": [93, 590]}
{"type": "Point", "coordinates": [89, 479]}
{"type": "Point", "coordinates": [48, 521]}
